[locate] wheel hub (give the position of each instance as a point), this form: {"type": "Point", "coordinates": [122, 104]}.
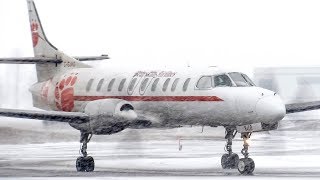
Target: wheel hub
{"type": "Point", "coordinates": [241, 165]}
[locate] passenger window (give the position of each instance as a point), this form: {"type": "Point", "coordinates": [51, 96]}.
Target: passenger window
{"type": "Point", "coordinates": [111, 84]}
{"type": "Point", "coordinates": [222, 80]}
{"type": "Point", "coordinates": [204, 82]}
{"type": "Point", "coordinates": [238, 79]}
{"type": "Point", "coordinates": [132, 83]}
{"type": "Point", "coordinates": [165, 84]}
{"type": "Point", "coordinates": [154, 85]}
{"type": "Point", "coordinates": [174, 84]}
{"type": "Point", "coordinates": [121, 84]}
{"type": "Point", "coordinates": [100, 84]}
{"type": "Point", "coordinates": [185, 84]}
{"type": "Point", "coordinates": [89, 85]}
{"type": "Point", "coordinates": [144, 84]}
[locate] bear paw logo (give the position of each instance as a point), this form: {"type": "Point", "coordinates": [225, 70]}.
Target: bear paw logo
{"type": "Point", "coordinates": [45, 90]}
{"type": "Point", "coordinates": [34, 31]}
{"type": "Point", "coordinates": [64, 93]}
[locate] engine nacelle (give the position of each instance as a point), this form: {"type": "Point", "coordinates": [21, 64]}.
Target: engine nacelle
{"type": "Point", "coordinates": [107, 116]}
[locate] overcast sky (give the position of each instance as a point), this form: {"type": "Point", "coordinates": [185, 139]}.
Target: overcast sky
{"type": "Point", "coordinates": [235, 34]}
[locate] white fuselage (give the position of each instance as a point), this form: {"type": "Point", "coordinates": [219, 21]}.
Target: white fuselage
{"type": "Point", "coordinates": [181, 103]}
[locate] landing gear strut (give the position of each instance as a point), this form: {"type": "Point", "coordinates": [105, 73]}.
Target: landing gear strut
{"type": "Point", "coordinates": [246, 165]}
{"type": "Point", "coordinates": [229, 160]}
{"type": "Point", "coordinates": [84, 162]}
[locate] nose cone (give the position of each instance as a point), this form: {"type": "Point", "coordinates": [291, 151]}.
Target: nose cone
{"type": "Point", "coordinates": [270, 109]}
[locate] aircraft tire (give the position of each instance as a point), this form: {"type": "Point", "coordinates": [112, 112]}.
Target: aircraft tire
{"type": "Point", "coordinates": [246, 166]}
{"type": "Point", "coordinates": [229, 161]}
{"type": "Point", "coordinates": [85, 164]}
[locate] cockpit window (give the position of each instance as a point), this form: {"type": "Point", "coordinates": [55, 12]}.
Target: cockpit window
{"type": "Point", "coordinates": [222, 80]}
{"type": "Point", "coordinates": [204, 82]}
{"type": "Point", "coordinates": [248, 80]}
{"type": "Point", "coordinates": [240, 80]}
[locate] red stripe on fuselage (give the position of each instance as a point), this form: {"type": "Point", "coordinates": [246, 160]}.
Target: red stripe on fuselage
{"type": "Point", "coordinates": [150, 98]}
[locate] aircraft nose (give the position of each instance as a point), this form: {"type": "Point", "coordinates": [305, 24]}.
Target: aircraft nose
{"type": "Point", "coordinates": [270, 109]}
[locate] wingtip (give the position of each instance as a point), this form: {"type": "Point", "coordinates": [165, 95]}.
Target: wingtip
{"type": "Point", "coordinates": [106, 56]}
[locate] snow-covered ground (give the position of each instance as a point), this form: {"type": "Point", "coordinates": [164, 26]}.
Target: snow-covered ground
{"type": "Point", "coordinates": [154, 154]}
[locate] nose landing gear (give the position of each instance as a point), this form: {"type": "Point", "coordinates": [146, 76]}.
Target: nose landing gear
{"type": "Point", "coordinates": [246, 165]}
{"type": "Point", "coordinates": [229, 160]}
{"type": "Point", "coordinates": [85, 163]}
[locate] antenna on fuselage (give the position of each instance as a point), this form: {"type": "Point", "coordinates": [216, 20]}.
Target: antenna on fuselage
{"type": "Point", "coordinates": [188, 63]}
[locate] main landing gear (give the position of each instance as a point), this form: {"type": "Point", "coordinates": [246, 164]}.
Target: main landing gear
{"type": "Point", "coordinates": [84, 162]}
{"type": "Point", "coordinates": [246, 165]}
{"type": "Point", "coordinates": [229, 160]}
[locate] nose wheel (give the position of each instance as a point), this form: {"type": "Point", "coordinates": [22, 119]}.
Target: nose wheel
{"type": "Point", "coordinates": [246, 165]}
{"type": "Point", "coordinates": [229, 160]}
{"type": "Point", "coordinates": [85, 163]}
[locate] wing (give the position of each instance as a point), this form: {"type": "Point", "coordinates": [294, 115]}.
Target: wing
{"type": "Point", "coordinates": [70, 117]}
{"type": "Point", "coordinates": [300, 107]}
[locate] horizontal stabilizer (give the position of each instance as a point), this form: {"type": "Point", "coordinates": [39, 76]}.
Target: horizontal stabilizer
{"type": "Point", "coordinates": [43, 60]}
{"type": "Point", "coordinates": [29, 60]}
{"type": "Point", "coordinates": [70, 117]}
{"type": "Point", "coordinates": [92, 58]}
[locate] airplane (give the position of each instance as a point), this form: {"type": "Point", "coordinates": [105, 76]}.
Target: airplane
{"type": "Point", "coordinates": [107, 101]}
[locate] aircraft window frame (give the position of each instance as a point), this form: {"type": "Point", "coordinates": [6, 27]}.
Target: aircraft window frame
{"type": "Point", "coordinates": [229, 78]}
{"type": "Point", "coordinates": [154, 84]}
{"type": "Point", "coordinates": [186, 84]}
{"type": "Point", "coordinates": [144, 84]}
{"type": "Point", "coordinates": [110, 85]}
{"type": "Point", "coordinates": [242, 82]}
{"type": "Point", "coordinates": [166, 84]}
{"type": "Point", "coordinates": [206, 76]}
{"type": "Point", "coordinates": [250, 82]}
{"type": "Point", "coordinates": [100, 84]}
{"type": "Point", "coordinates": [174, 84]}
{"type": "Point", "coordinates": [132, 84]}
{"type": "Point", "coordinates": [89, 84]}
{"type": "Point", "coordinates": [121, 85]}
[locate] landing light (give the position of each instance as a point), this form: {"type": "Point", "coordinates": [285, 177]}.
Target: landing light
{"type": "Point", "coordinates": [247, 141]}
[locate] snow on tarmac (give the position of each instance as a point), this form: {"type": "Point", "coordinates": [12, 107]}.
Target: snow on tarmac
{"type": "Point", "coordinates": [154, 154]}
